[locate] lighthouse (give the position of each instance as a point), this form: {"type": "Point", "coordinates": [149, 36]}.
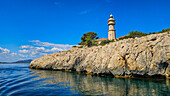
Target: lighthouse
{"type": "Point", "coordinates": [111, 31]}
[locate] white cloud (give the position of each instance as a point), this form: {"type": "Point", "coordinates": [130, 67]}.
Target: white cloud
{"type": "Point", "coordinates": [7, 55]}
{"type": "Point", "coordinates": [55, 49]}
{"type": "Point", "coordinates": [38, 49]}
{"type": "Point", "coordinates": [35, 41]}
{"type": "Point", "coordinates": [21, 55]}
{"type": "Point", "coordinates": [14, 54]}
{"type": "Point", "coordinates": [26, 46]}
{"type": "Point", "coordinates": [4, 50]}
{"type": "Point", "coordinates": [47, 44]}
{"type": "Point", "coordinates": [23, 51]}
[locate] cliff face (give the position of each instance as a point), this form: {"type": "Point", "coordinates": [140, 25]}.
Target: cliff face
{"type": "Point", "coordinates": [148, 56]}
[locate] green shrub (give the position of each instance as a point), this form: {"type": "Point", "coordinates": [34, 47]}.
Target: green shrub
{"type": "Point", "coordinates": [74, 46]}
{"type": "Point", "coordinates": [88, 42]}
{"type": "Point", "coordinates": [104, 42]}
{"type": "Point", "coordinates": [133, 34]}
{"type": "Point", "coordinates": [112, 40]}
{"type": "Point", "coordinates": [163, 31]}
{"type": "Point", "coordinates": [89, 39]}
{"type": "Point", "coordinates": [80, 47]}
{"type": "Point", "coordinates": [166, 30]}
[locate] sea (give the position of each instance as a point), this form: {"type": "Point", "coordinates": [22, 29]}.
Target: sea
{"type": "Point", "coordinates": [19, 80]}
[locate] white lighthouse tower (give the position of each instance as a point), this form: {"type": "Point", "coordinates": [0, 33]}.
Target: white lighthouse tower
{"type": "Point", "coordinates": [111, 31]}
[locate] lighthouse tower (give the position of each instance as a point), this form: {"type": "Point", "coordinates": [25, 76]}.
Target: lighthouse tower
{"type": "Point", "coordinates": [111, 31]}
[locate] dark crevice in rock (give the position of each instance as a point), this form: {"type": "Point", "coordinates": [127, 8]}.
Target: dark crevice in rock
{"type": "Point", "coordinates": [138, 54]}
{"type": "Point", "coordinates": [148, 77]}
{"type": "Point", "coordinates": [144, 76]}
{"type": "Point", "coordinates": [151, 53]}
{"type": "Point", "coordinates": [126, 65]}
{"type": "Point", "coordinates": [153, 39]}
{"type": "Point", "coordinates": [104, 74]}
{"type": "Point", "coordinates": [163, 66]}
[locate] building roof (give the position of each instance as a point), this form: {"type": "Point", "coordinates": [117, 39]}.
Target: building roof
{"type": "Point", "coordinates": [101, 39]}
{"type": "Point", "coordinates": [122, 37]}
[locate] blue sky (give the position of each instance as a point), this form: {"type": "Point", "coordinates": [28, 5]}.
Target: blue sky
{"type": "Point", "coordinates": [33, 28]}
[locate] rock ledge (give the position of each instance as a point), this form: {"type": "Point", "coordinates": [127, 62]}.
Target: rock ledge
{"type": "Point", "coordinates": [145, 56]}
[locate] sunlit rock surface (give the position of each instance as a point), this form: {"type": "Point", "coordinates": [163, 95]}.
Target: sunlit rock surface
{"type": "Point", "coordinates": [147, 56]}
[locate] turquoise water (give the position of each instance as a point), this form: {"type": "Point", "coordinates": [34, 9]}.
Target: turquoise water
{"type": "Point", "coordinates": [19, 80]}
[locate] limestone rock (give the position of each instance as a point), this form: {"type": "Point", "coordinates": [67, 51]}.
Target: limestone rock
{"type": "Point", "coordinates": [148, 55]}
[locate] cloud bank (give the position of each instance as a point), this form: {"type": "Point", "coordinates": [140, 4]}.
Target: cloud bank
{"type": "Point", "coordinates": [7, 55]}
{"type": "Point", "coordinates": [36, 50]}
{"type": "Point", "coordinates": [61, 47]}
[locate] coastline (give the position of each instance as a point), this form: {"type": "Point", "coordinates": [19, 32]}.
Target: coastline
{"type": "Point", "coordinates": [144, 57]}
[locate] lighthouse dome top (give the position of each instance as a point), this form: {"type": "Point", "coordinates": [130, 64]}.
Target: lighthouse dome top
{"type": "Point", "coordinates": [111, 16]}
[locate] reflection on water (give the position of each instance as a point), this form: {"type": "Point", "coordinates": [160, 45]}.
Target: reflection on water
{"type": "Point", "coordinates": [91, 85]}
{"type": "Point", "coordinates": [19, 80]}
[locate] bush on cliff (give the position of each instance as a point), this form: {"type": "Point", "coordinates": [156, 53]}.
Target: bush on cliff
{"type": "Point", "coordinates": [133, 34]}
{"type": "Point", "coordinates": [89, 39]}
{"type": "Point", "coordinates": [166, 30]}
{"type": "Point", "coordinates": [163, 31]}
{"type": "Point", "coordinates": [104, 42]}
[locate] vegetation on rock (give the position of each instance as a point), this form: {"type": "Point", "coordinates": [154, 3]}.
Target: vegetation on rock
{"type": "Point", "coordinates": [104, 42]}
{"type": "Point", "coordinates": [89, 39]}
{"type": "Point", "coordinates": [133, 34]}
{"type": "Point", "coordinates": [163, 31]}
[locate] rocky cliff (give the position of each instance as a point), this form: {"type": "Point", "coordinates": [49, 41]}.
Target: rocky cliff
{"type": "Point", "coordinates": [145, 56]}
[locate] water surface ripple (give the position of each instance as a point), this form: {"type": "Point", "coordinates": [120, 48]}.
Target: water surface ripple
{"type": "Point", "coordinates": [19, 80]}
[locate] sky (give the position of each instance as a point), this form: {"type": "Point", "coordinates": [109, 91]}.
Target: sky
{"type": "Point", "coordinates": [30, 29]}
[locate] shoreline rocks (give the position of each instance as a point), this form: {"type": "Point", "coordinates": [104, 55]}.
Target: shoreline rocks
{"type": "Point", "coordinates": [144, 56]}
